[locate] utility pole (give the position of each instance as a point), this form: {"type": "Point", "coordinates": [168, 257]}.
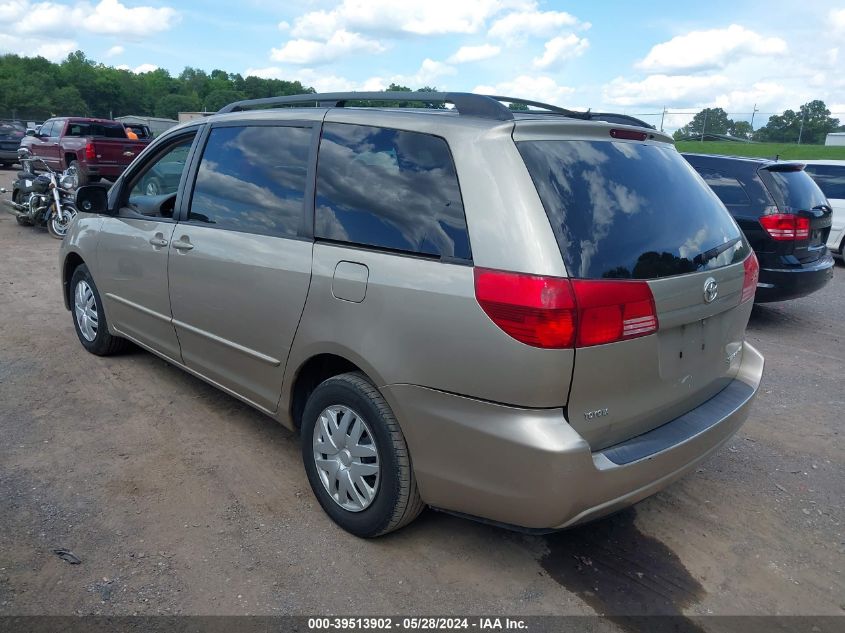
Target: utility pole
{"type": "Point", "coordinates": [704, 129]}
{"type": "Point", "coordinates": [662, 116]}
{"type": "Point", "coordinates": [801, 129]}
{"type": "Point", "coordinates": [753, 112]}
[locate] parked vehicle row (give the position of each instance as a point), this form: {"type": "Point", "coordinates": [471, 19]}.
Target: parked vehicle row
{"type": "Point", "coordinates": [531, 318]}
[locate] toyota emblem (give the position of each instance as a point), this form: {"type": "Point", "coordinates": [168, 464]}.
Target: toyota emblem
{"type": "Point", "coordinates": [711, 290]}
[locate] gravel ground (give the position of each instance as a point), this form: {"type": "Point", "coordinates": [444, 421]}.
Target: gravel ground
{"type": "Point", "coordinates": [178, 499]}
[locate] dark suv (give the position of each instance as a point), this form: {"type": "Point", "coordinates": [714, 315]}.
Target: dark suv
{"type": "Point", "coordinates": [784, 215]}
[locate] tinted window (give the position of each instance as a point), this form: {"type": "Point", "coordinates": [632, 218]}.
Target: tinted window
{"type": "Point", "coordinates": [794, 190]}
{"type": "Point", "coordinates": [630, 211]}
{"type": "Point", "coordinates": [46, 128]}
{"type": "Point", "coordinates": [829, 178]}
{"type": "Point", "coordinates": [390, 189]}
{"type": "Point", "coordinates": [57, 128]}
{"type": "Point", "coordinates": [253, 179]}
{"type": "Point", "coordinates": [729, 190]}
{"type": "Point", "coordinates": [106, 130]}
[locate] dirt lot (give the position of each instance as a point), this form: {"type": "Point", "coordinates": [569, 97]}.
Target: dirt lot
{"type": "Point", "coordinates": [180, 499]}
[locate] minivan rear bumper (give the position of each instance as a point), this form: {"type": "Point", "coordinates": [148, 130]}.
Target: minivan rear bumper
{"type": "Point", "coordinates": [528, 468]}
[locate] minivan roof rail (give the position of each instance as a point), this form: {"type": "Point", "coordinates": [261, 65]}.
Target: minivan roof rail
{"type": "Point", "coordinates": [466, 103]}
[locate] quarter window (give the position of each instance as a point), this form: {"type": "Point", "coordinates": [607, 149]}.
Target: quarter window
{"type": "Point", "coordinates": [252, 179]}
{"type": "Point", "coordinates": [728, 188]}
{"type": "Point", "coordinates": [389, 189]}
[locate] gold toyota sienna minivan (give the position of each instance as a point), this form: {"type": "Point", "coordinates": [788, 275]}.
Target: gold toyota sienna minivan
{"type": "Point", "coordinates": [532, 318]}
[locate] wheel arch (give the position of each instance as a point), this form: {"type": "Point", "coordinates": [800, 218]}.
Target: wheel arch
{"type": "Point", "coordinates": [72, 261]}
{"type": "Point", "coordinates": [314, 369]}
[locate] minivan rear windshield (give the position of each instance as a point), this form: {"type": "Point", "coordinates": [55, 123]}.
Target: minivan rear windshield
{"type": "Point", "coordinates": [794, 191]}
{"type": "Point", "coordinates": [628, 210]}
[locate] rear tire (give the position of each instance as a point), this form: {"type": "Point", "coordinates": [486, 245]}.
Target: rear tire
{"type": "Point", "coordinates": [396, 500]}
{"type": "Point", "coordinates": [89, 319]}
{"type": "Point", "coordinates": [80, 177]}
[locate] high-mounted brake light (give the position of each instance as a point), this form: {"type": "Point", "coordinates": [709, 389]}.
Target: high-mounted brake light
{"type": "Point", "coordinates": [786, 227]}
{"type": "Point", "coordinates": [553, 312]}
{"type": "Point", "coordinates": [90, 152]}
{"type": "Point", "coordinates": [752, 275]}
{"type": "Point", "coordinates": [630, 135]}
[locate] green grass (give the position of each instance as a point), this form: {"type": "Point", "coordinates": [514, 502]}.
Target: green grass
{"type": "Point", "coordinates": [787, 151]}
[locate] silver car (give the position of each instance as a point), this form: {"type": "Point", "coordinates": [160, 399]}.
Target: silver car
{"type": "Point", "coordinates": [531, 318]}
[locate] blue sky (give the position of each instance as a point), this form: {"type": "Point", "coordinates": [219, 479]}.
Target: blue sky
{"type": "Point", "coordinates": [622, 56]}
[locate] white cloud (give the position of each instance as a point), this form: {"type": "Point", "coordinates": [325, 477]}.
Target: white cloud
{"type": "Point", "coordinates": [144, 68]}
{"type": "Point", "coordinates": [114, 51]}
{"type": "Point", "coordinates": [340, 44]}
{"type": "Point", "coordinates": [657, 90]}
{"type": "Point", "coordinates": [53, 49]}
{"type": "Point", "coordinates": [429, 72]}
{"type": "Point", "coordinates": [284, 26]}
{"type": "Point", "coordinates": [419, 17]}
{"type": "Point", "coordinates": [532, 23]}
{"type": "Point", "coordinates": [713, 48]}
{"type": "Point", "coordinates": [108, 17]}
{"type": "Point", "coordinates": [319, 80]}
{"type": "Point", "coordinates": [561, 49]}
{"type": "Point", "coordinates": [536, 88]}
{"type": "Point", "coordinates": [837, 19]}
{"type": "Point", "coordinates": [474, 53]}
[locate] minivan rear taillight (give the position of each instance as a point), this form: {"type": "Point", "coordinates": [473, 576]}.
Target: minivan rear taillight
{"type": "Point", "coordinates": [786, 227]}
{"type": "Point", "coordinates": [553, 312]}
{"type": "Point", "coordinates": [752, 275]}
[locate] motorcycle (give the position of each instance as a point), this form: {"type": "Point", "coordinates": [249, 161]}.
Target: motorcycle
{"type": "Point", "coordinates": [46, 199]}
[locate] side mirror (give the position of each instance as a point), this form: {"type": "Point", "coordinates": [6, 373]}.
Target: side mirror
{"type": "Point", "coordinates": [30, 132]}
{"type": "Point", "coordinates": [93, 199]}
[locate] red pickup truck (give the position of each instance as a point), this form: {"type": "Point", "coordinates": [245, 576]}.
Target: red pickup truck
{"type": "Point", "coordinates": [90, 148]}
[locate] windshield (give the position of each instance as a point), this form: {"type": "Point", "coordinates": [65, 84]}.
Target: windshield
{"type": "Point", "coordinates": [628, 210]}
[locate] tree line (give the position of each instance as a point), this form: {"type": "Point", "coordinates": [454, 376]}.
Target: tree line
{"type": "Point", "coordinates": [810, 124]}
{"type": "Point", "coordinates": [34, 89]}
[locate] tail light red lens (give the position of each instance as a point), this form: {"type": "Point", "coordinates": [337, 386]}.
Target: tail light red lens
{"type": "Point", "coordinates": [538, 311]}
{"type": "Point", "coordinates": [786, 227]}
{"type": "Point", "coordinates": [611, 310]}
{"type": "Point", "coordinates": [90, 152]}
{"type": "Point", "coordinates": [552, 312]}
{"type": "Point", "coordinates": [752, 275]}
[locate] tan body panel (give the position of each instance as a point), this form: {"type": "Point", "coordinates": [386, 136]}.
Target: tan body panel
{"type": "Point", "coordinates": [420, 324]}
{"type": "Point", "coordinates": [236, 301]}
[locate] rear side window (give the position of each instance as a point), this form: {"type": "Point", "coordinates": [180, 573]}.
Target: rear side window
{"type": "Point", "coordinates": [102, 130]}
{"type": "Point", "coordinates": [252, 179]}
{"type": "Point", "coordinates": [630, 211]}
{"type": "Point", "coordinates": [389, 189]}
{"type": "Point", "coordinates": [829, 178]}
{"type": "Point", "coordinates": [793, 190]}
{"type": "Point", "coordinates": [728, 188]}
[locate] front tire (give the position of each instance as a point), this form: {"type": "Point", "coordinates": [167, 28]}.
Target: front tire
{"type": "Point", "coordinates": [56, 227]}
{"type": "Point", "coordinates": [89, 319]}
{"type": "Point", "coordinates": [356, 458]}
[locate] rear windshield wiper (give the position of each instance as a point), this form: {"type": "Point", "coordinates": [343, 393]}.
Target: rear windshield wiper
{"type": "Point", "coordinates": [713, 253]}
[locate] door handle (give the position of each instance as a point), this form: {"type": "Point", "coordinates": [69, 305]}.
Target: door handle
{"type": "Point", "coordinates": [182, 244]}
{"type": "Point", "coordinates": [158, 240]}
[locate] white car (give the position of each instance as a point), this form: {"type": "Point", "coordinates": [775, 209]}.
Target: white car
{"type": "Point", "coordinates": [830, 177]}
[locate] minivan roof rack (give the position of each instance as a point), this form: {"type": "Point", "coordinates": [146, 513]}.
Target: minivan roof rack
{"type": "Point", "coordinates": [466, 103]}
